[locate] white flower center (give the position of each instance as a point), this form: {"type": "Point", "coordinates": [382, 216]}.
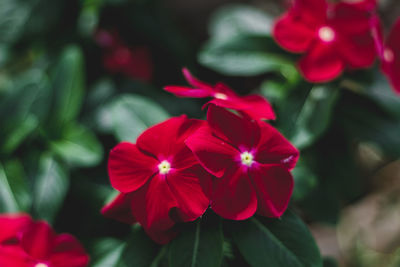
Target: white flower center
{"type": "Point", "coordinates": [41, 265]}
{"type": "Point", "coordinates": [164, 167]}
{"type": "Point", "coordinates": [326, 34]}
{"type": "Point", "coordinates": [247, 158]}
{"type": "Point", "coordinates": [221, 96]}
{"type": "Point", "coordinates": [388, 55]}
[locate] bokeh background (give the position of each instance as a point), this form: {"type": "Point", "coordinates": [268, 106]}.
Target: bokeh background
{"type": "Point", "coordinates": [77, 77]}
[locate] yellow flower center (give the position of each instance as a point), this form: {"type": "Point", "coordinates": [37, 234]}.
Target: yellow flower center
{"type": "Point", "coordinates": [326, 34]}
{"type": "Point", "coordinates": [221, 96]}
{"type": "Point", "coordinates": [164, 167]}
{"type": "Point", "coordinates": [247, 158]}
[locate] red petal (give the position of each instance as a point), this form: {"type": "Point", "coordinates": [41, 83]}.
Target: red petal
{"type": "Point", "coordinates": [274, 186]}
{"type": "Point", "coordinates": [359, 51]}
{"type": "Point", "coordinates": [185, 186]}
{"type": "Point", "coordinates": [193, 81]}
{"type": "Point", "coordinates": [233, 196]}
{"type": "Point", "coordinates": [119, 209]}
{"type": "Point", "coordinates": [293, 34]}
{"type": "Point", "coordinates": [215, 155]}
{"type": "Point", "coordinates": [274, 148]}
{"type": "Point", "coordinates": [259, 108]}
{"type": "Point", "coordinates": [14, 256]}
{"type": "Point", "coordinates": [243, 133]}
{"type": "Point", "coordinates": [392, 67]}
{"type": "Point", "coordinates": [12, 224]}
{"type": "Point", "coordinates": [322, 63]}
{"type": "Point", "coordinates": [68, 252]}
{"type": "Point", "coordinates": [129, 168]}
{"type": "Point", "coordinates": [187, 92]}
{"type": "Point", "coordinates": [37, 241]}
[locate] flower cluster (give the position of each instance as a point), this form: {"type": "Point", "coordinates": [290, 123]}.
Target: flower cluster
{"type": "Point", "coordinates": [26, 243]}
{"type": "Point", "coordinates": [119, 58]}
{"type": "Point", "coordinates": [233, 162]}
{"type": "Point", "coordinates": [332, 36]}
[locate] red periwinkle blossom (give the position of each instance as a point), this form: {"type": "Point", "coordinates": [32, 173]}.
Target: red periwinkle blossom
{"type": "Point", "coordinates": [26, 243]}
{"type": "Point", "coordinates": [251, 161]}
{"type": "Point", "coordinates": [158, 179]}
{"type": "Point", "coordinates": [254, 106]}
{"type": "Point", "coordinates": [119, 58]}
{"type": "Point", "coordinates": [391, 57]}
{"type": "Point", "coordinates": [332, 37]}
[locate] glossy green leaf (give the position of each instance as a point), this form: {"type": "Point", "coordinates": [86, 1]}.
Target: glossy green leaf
{"type": "Point", "coordinates": [18, 183]}
{"type": "Point", "coordinates": [130, 115]}
{"type": "Point", "coordinates": [106, 252]}
{"type": "Point", "coordinates": [8, 201]}
{"type": "Point", "coordinates": [140, 250]}
{"type": "Point", "coordinates": [242, 56]}
{"type": "Point", "coordinates": [276, 242]}
{"type": "Point", "coordinates": [50, 188]}
{"type": "Point", "coordinates": [236, 19]}
{"type": "Point", "coordinates": [68, 86]}
{"type": "Point", "coordinates": [78, 146]}
{"type": "Point", "coordinates": [198, 245]}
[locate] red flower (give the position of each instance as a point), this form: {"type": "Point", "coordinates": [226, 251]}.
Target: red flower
{"type": "Point", "coordinates": [119, 58]}
{"type": "Point", "coordinates": [332, 36]}
{"type": "Point", "coordinates": [254, 106]}
{"type": "Point", "coordinates": [251, 161]}
{"type": "Point", "coordinates": [158, 178]}
{"type": "Point", "coordinates": [25, 243]}
{"type": "Point", "coordinates": [391, 57]}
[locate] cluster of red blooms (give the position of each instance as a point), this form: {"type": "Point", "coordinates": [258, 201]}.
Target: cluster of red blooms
{"type": "Point", "coordinates": [119, 58]}
{"type": "Point", "coordinates": [233, 162]}
{"type": "Point", "coordinates": [338, 36]}
{"type": "Point", "coordinates": [26, 243]}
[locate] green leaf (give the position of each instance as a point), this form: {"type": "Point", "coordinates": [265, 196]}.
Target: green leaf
{"type": "Point", "coordinates": [78, 146]}
{"type": "Point", "coordinates": [243, 56]}
{"type": "Point", "coordinates": [50, 188]}
{"type": "Point", "coordinates": [68, 86]}
{"type": "Point", "coordinates": [140, 250]}
{"type": "Point", "coordinates": [130, 115]}
{"type": "Point", "coordinates": [199, 244]}
{"type": "Point", "coordinates": [314, 116]}
{"type": "Point", "coordinates": [8, 201]}
{"type": "Point", "coordinates": [233, 20]}
{"type": "Point", "coordinates": [19, 184]}
{"type": "Point", "coordinates": [13, 16]}
{"type": "Point", "coordinates": [304, 179]}
{"type": "Point", "coordinates": [106, 252]}
{"type": "Point", "coordinates": [276, 242]}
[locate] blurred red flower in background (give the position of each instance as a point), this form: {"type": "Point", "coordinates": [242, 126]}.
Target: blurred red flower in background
{"type": "Point", "coordinates": [25, 243]}
{"type": "Point", "coordinates": [251, 161]}
{"type": "Point", "coordinates": [134, 62]}
{"type": "Point", "coordinates": [158, 179]}
{"type": "Point", "coordinates": [391, 57]}
{"type": "Point", "coordinates": [254, 106]}
{"type": "Point", "coordinates": [332, 36]}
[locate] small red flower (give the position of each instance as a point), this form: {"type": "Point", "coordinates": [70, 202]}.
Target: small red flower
{"type": "Point", "coordinates": [332, 36]}
{"type": "Point", "coordinates": [158, 179]}
{"type": "Point", "coordinates": [119, 58]}
{"type": "Point", "coordinates": [251, 161]}
{"type": "Point", "coordinates": [25, 243]}
{"type": "Point", "coordinates": [254, 106]}
{"type": "Point", "coordinates": [391, 57]}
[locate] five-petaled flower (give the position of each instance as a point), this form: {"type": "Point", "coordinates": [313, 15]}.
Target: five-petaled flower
{"type": "Point", "coordinates": [332, 36]}
{"type": "Point", "coordinates": [391, 57]}
{"type": "Point", "coordinates": [251, 161]}
{"type": "Point", "coordinates": [254, 106]}
{"type": "Point", "coordinates": [158, 179]}
{"type": "Point", "coordinates": [26, 243]}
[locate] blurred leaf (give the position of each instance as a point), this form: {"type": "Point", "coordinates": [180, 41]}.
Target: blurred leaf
{"type": "Point", "coordinates": [68, 86]}
{"type": "Point", "coordinates": [277, 242]}
{"type": "Point", "coordinates": [304, 179]}
{"type": "Point", "coordinates": [130, 115]}
{"type": "Point", "coordinates": [19, 134]}
{"type": "Point", "coordinates": [50, 188]}
{"type": "Point", "coordinates": [243, 56]}
{"type": "Point", "coordinates": [106, 252]}
{"type": "Point", "coordinates": [314, 117]}
{"type": "Point", "coordinates": [236, 19]}
{"type": "Point", "coordinates": [13, 16]}
{"type": "Point", "coordinates": [78, 146]}
{"type": "Point", "coordinates": [197, 245]}
{"type": "Point", "coordinates": [140, 250]}
{"type": "Point", "coordinates": [8, 201]}
{"type": "Point", "coordinates": [19, 184]}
